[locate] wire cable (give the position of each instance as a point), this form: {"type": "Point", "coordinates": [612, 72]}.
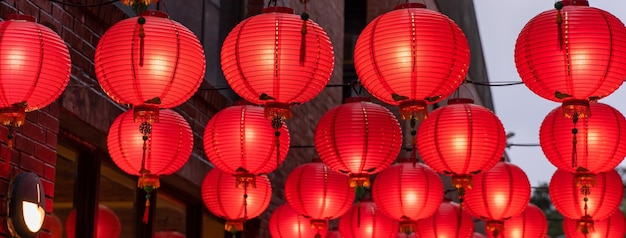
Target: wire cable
{"type": "Point", "coordinates": [81, 5]}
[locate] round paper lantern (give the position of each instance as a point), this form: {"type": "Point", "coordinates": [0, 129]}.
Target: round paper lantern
{"type": "Point", "coordinates": [498, 194]}
{"type": "Point", "coordinates": [168, 234]}
{"type": "Point", "coordinates": [364, 220]}
{"type": "Point", "coordinates": [567, 193]}
{"type": "Point", "coordinates": [334, 234]}
{"type": "Point", "coordinates": [461, 139]}
{"type": "Point", "coordinates": [358, 138]}
{"type": "Point", "coordinates": [316, 191]}
{"type": "Point", "coordinates": [240, 140]}
{"type": "Point", "coordinates": [407, 193]}
{"type": "Point", "coordinates": [169, 144]}
{"type": "Point", "coordinates": [224, 199]}
{"type": "Point", "coordinates": [572, 54]}
{"type": "Point", "coordinates": [610, 227]}
{"type": "Point", "coordinates": [161, 69]}
{"type": "Point", "coordinates": [277, 60]}
{"type": "Point", "coordinates": [55, 226]}
{"type": "Point", "coordinates": [531, 223]}
{"type": "Point", "coordinates": [286, 223]}
{"type": "Point", "coordinates": [448, 221]}
{"type": "Point", "coordinates": [411, 57]}
{"type": "Point", "coordinates": [600, 140]}
{"type": "Point", "coordinates": [34, 67]}
{"type": "Point", "coordinates": [107, 226]}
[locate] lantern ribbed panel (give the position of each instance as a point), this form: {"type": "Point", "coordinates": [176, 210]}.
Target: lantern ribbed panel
{"type": "Point", "coordinates": [286, 223]}
{"type": "Point", "coordinates": [262, 54]}
{"type": "Point", "coordinates": [500, 193]}
{"type": "Point", "coordinates": [225, 200]}
{"type": "Point", "coordinates": [108, 224]}
{"type": "Point", "coordinates": [316, 191]}
{"type": "Point", "coordinates": [169, 145]}
{"type": "Point", "coordinates": [587, 60]}
{"type": "Point", "coordinates": [611, 227]}
{"type": "Point", "coordinates": [531, 223]}
{"type": "Point", "coordinates": [34, 64]}
{"type": "Point", "coordinates": [358, 137]}
{"type": "Point", "coordinates": [601, 139]}
{"type": "Point", "coordinates": [445, 223]}
{"type": "Point", "coordinates": [604, 198]}
{"type": "Point", "coordinates": [412, 52]}
{"type": "Point", "coordinates": [369, 223]}
{"type": "Point", "coordinates": [241, 137]}
{"type": "Point", "coordinates": [173, 61]}
{"type": "Point", "coordinates": [461, 138]}
{"type": "Point", "coordinates": [402, 191]}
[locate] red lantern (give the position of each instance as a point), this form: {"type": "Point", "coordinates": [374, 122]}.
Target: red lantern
{"type": "Point", "coordinates": [107, 226]}
{"type": "Point", "coordinates": [499, 194]}
{"type": "Point", "coordinates": [572, 54]}
{"type": "Point", "coordinates": [149, 150]}
{"type": "Point", "coordinates": [168, 234]}
{"type": "Point", "coordinates": [408, 193]}
{"type": "Point", "coordinates": [364, 220]}
{"type": "Point", "coordinates": [358, 138]}
{"type": "Point", "coordinates": [398, 57]}
{"type": "Point", "coordinates": [240, 140]}
{"type": "Point", "coordinates": [531, 223]}
{"type": "Point", "coordinates": [448, 221]}
{"type": "Point", "coordinates": [599, 140]}
{"type": "Point", "coordinates": [316, 191]}
{"type": "Point", "coordinates": [461, 139]}
{"type": "Point", "coordinates": [55, 226]}
{"type": "Point", "coordinates": [34, 67]}
{"type": "Point", "coordinates": [334, 234]}
{"type": "Point", "coordinates": [286, 223]}
{"type": "Point", "coordinates": [276, 59]}
{"type": "Point", "coordinates": [603, 193]}
{"type": "Point", "coordinates": [225, 200]}
{"type": "Point", "coordinates": [161, 69]}
{"type": "Point", "coordinates": [610, 227]}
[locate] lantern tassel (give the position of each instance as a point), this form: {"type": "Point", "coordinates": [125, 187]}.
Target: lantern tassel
{"type": "Point", "coordinates": [304, 17]}
{"type": "Point", "coordinates": [277, 123]}
{"type": "Point", "coordinates": [495, 227]}
{"type": "Point", "coordinates": [413, 141]}
{"type": "Point", "coordinates": [142, 34]}
{"type": "Point", "coordinates": [585, 225]}
{"type": "Point", "coordinates": [559, 22]}
{"type": "Point", "coordinates": [574, 141]}
{"type": "Point", "coordinates": [146, 211]}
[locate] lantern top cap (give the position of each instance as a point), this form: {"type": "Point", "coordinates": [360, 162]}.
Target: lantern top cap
{"type": "Point", "coordinates": [357, 99]}
{"type": "Point", "coordinates": [154, 13]}
{"type": "Point", "coordinates": [575, 3]}
{"type": "Point", "coordinates": [460, 101]}
{"type": "Point", "coordinates": [410, 5]}
{"type": "Point", "coordinates": [20, 17]}
{"type": "Point", "coordinates": [278, 10]}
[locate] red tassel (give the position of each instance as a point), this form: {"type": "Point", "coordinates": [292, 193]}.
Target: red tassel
{"type": "Point", "coordinates": [146, 212]}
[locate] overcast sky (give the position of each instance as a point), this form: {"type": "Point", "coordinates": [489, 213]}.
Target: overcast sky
{"type": "Point", "coordinates": [520, 110]}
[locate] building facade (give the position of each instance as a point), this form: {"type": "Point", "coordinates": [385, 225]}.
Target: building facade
{"type": "Point", "coordinates": [65, 143]}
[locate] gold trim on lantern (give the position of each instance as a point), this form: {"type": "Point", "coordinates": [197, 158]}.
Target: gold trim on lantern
{"type": "Point", "coordinates": [495, 227]}
{"type": "Point", "coordinates": [360, 180]}
{"type": "Point", "coordinates": [149, 180]}
{"type": "Point", "coordinates": [585, 225]}
{"type": "Point", "coordinates": [413, 109]}
{"type": "Point", "coordinates": [278, 110]}
{"type": "Point", "coordinates": [146, 113]}
{"type": "Point", "coordinates": [319, 224]}
{"type": "Point", "coordinates": [573, 106]}
{"type": "Point", "coordinates": [462, 181]}
{"type": "Point", "coordinates": [245, 180]}
{"type": "Point", "coordinates": [14, 115]}
{"type": "Point", "coordinates": [234, 226]}
{"type": "Point", "coordinates": [406, 225]}
{"type": "Point", "coordinates": [585, 179]}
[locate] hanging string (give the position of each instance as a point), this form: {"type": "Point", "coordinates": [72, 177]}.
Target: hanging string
{"type": "Point", "coordinates": [305, 17]}
{"type": "Point", "coordinates": [277, 123]}
{"type": "Point", "coordinates": [147, 181]}
{"type": "Point", "coordinates": [413, 123]}
{"type": "Point", "coordinates": [574, 141]}
{"type": "Point", "coordinates": [559, 21]}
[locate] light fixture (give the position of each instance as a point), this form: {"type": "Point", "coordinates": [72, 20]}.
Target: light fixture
{"type": "Point", "coordinates": [27, 206]}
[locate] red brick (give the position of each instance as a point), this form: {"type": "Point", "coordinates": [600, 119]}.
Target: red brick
{"type": "Point", "coordinates": [49, 204]}
{"type": "Point", "coordinates": [51, 139]}
{"type": "Point", "coordinates": [61, 15]}
{"type": "Point", "coordinates": [35, 132]}
{"type": "Point", "coordinates": [49, 172]}
{"type": "Point", "coordinates": [49, 122]}
{"type": "Point", "coordinates": [44, 5]}
{"type": "Point", "coordinates": [49, 21]}
{"type": "Point", "coordinates": [48, 187]}
{"type": "Point", "coordinates": [24, 144]}
{"type": "Point", "coordinates": [45, 154]}
{"type": "Point", "coordinates": [30, 163]}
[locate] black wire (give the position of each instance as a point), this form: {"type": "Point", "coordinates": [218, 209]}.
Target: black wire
{"type": "Point", "coordinates": [80, 5]}
{"type": "Point", "coordinates": [523, 145]}
{"type": "Point", "coordinates": [228, 88]}
{"type": "Point", "coordinates": [494, 85]}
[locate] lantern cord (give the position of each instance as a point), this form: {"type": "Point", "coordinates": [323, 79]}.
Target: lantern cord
{"type": "Point", "coordinates": [413, 123]}
{"type": "Point", "coordinates": [559, 21]}
{"type": "Point", "coordinates": [146, 129]}
{"type": "Point", "coordinates": [277, 123]}
{"type": "Point", "coordinates": [574, 141]}
{"type": "Point", "coordinates": [499, 84]}
{"type": "Point", "coordinates": [305, 17]}
{"type": "Point", "coordinates": [84, 5]}
{"type": "Point", "coordinates": [10, 143]}
{"type": "Point", "coordinates": [245, 200]}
